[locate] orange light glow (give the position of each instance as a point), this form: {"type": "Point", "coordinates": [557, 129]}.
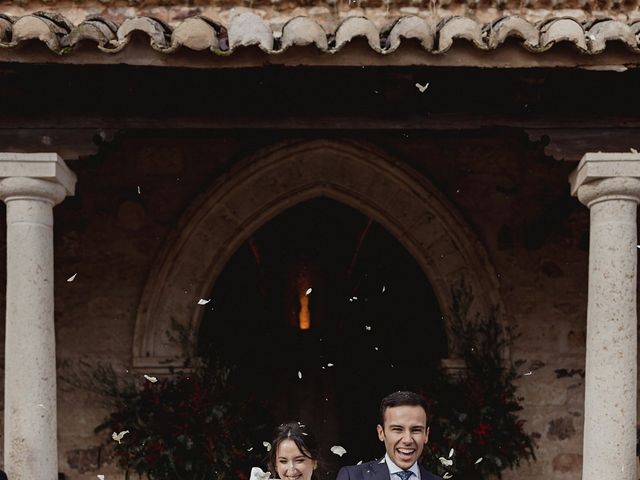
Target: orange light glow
{"type": "Point", "coordinates": [304, 317]}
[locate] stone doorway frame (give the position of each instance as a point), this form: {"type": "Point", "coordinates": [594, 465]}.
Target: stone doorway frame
{"type": "Point", "coordinates": [264, 185]}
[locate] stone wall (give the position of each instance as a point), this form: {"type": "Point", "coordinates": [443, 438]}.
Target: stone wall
{"type": "Point", "coordinates": [515, 198]}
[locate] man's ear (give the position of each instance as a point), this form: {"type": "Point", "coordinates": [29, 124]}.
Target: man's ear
{"type": "Point", "coordinates": [380, 432]}
{"type": "Point", "coordinates": [426, 436]}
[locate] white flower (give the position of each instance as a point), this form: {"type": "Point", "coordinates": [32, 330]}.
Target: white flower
{"type": "Point", "coordinates": [445, 461]}
{"type": "Point", "coordinates": [118, 436]}
{"type": "Point", "coordinates": [151, 379]}
{"type": "Point", "coordinates": [338, 450]}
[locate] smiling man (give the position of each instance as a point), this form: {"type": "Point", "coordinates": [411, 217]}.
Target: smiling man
{"type": "Point", "coordinates": [404, 431]}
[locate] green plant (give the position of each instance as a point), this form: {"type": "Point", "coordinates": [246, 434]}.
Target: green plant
{"type": "Point", "coordinates": [192, 426]}
{"type": "Point", "coordinates": [475, 413]}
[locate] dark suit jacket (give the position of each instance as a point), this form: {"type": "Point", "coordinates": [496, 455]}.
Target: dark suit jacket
{"type": "Point", "coordinates": [376, 470]}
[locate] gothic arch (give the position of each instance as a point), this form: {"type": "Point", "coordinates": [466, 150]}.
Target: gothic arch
{"type": "Point", "coordinates": [260, 188]}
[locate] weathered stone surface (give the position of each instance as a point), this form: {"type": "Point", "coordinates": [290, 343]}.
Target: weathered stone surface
{"type": "Point", "coordinates": [131, 215]}
{"type": "Point", "coordinates": [567, 463]}
{"type": "Point", "coordinates": [561, 428]}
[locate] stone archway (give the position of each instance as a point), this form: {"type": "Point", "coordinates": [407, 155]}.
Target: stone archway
{"type": "Point", "coordinates": [260, 188]}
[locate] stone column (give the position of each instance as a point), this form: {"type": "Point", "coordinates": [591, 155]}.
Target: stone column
{"type": "Point", "coordinates": [30, 185]}
{"type": "Point", "coordinates": [609, 184]}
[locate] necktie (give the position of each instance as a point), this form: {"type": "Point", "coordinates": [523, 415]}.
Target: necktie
{"type": "Point", "coordinates": [404, 474]}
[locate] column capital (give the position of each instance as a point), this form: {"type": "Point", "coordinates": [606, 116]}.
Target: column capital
{"type": "Point", "coordinates": [36, 166]}
{"type": "Point", "coordinates": [606, 176]}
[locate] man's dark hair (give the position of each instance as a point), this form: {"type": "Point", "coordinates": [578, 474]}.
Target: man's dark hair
{"type": "Point", "coordinates": [400, 399]}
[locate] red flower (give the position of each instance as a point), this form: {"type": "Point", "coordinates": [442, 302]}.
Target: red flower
{"type": "Point", "coordinates": [480, 433]}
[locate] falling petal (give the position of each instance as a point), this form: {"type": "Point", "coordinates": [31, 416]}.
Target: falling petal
{"type": "Point", "coordinates": [447, 476]}
{"type": "Point", "coordinates": [118, 436]}
{"type": "Point", "coordinates": [151, 379]}
{"type": "Point", "coordinates": [375, 348]}
{"type": "Point", "coordinates": [528, 373]}
{"type": "Point", "coordinates": [138, 189]}
{"type": "Point", "coordinates": [72, 277]}
{"type": "Point", "coordinates": [338, 450]}
{"type": "Point", "coordinates": [329, 364]}
{"type": "Point", "coordinates": [383, 288]}
{"type": "Point", "coordinates": [202, 301]}
{"type": "Point", "coordinates": [451, 453]}
{"type": "Point", "coordinates": [633, 150]}
{"type": "Point", "coordinates": [299, 374]}
{"type": "Point", "coordinates": [267, 445]}
{"type": "Point", "coordinates": [359, 463]}
{"type": "Point", "coordinates": [478, 460]}
{"type": "Point", "coordinates": [367, 328]}
{"type": "Point", "coordinates": [445, 461]}
{"type": "Point", "coordinates": [100, 477]}
{"type": "Point", "coordinates": [249, 449]}
{"type": "Point", "coordinates": [309, 290]}
{"type": "Point", "coordinates": [422, 88]}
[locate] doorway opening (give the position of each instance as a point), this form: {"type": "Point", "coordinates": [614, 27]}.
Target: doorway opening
{"type": "Point", "coordinates": [323, 312]}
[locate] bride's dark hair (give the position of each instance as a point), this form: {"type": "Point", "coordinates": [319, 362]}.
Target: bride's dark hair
{"type": "Point", "coordinates": [304, 439]}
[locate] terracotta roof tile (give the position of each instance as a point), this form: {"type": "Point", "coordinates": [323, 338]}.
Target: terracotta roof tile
{"type": "Point", "coordinates": [247, 28]}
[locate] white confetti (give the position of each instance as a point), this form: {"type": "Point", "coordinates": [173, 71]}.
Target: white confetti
{"type": "Point", "coordinates": [447, 476]}
{"type": "Point", "coordinates": [72, 277]}
{"type": "Point", "coordinates": [258, 474]}
{"type": "Point", "coordinates": [267, 445]}
{"type": "Point", "coordinates": [359, 463]}
{"type": "Point", "coordinates": [138, 189]}
{"type": "Point", "coordinates": [309, 290]}
{"type": "Point", "coordinates": [376, 348]}
{"type": "Point", "coordinates": [451, 453]}
{"type": "Point", "coordinates": [383, 288]}
{"type": "Point", "coordinates": [422, 88]}
{"type": "Point", "coordinates": [338, 450]}
{"type": "Point", "coordinates": [478, 461]}
{"type": "Point", "coordinates": [150, 378]}
{"type": "Point", "coordinates": [202, 301]}
{"type": "Point", "coordinates": [329, 364]}
{"type": "Point", "coordinates": [528, 373]}
{"type": "Point", "coordinates": [367, 328]}
{"type": "Point", "coordinates": [299, 374]}
{"type": "Point", "coordinates": [445, 461]}
{"type": "Point", "coordinates": [249, 449]}
{"type": "Point", "coordinates": [100, 477]}
{"type": "Point", "coordinates": [118, 436]}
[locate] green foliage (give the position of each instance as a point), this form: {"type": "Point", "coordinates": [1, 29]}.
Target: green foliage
{"type": "Point", "coordinates": [192, 426]}
{"type": "Point", "coordinates": [475, 413]}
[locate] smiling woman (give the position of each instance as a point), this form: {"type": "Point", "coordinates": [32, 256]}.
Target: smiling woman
{"type": "Point", "coordinates": [294, 453]}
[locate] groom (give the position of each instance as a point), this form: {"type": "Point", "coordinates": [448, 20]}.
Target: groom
{"type": "Point", "coordinates": [403, 429]}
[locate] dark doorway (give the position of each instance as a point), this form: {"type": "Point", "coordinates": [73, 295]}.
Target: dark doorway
{"type": "Point", "coordinates": [323, 312]}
